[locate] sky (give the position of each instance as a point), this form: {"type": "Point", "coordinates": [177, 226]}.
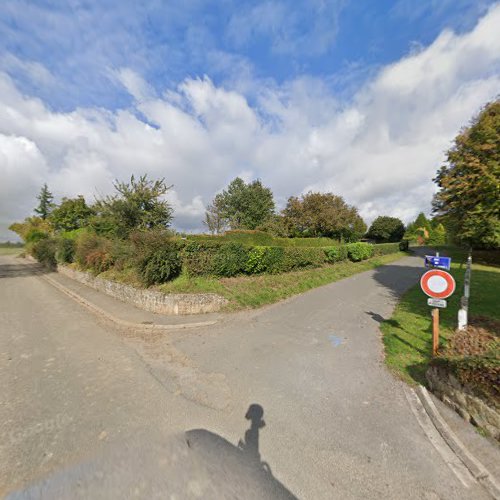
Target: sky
{"type": "Point", "coordinates": [359, 98]}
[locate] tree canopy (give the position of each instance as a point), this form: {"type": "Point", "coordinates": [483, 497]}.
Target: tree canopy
{"type": "Point", "coordinates": [45, 204]}
{"type": "Point", "coordinates": [138, 204]}
{"type": "Point", "coordinates": [384, 228]}
{"type": "Point", "coordinates": [240, 206]}
{"type": "Point", "coordinates": [468, 201]}
{"type": "Point", "coordinates": [323, 214]}
{"type": "Point", "coordinates": [72, 213]}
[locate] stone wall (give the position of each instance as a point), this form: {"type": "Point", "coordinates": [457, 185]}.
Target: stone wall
{"type": "Point", "coordinates": [473, 409]}
{"type": "Point", "coordinates": [150, 300]}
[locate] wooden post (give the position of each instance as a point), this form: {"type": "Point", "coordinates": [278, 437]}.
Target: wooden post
{"type": "Point", "coordinates": [435, 331]}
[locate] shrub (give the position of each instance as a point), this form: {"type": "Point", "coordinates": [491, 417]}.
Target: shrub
{"type": "Point", "coordinates": [336, 254]}
{"type": "Point", "coordinates": [230, 260]}
{"type": "Point", "coordinates": [34, 235]}
{"type": "Point", "coordinates": [264, 259]}
{"type": "Point", "coordinates": [65, 252]}
{"type": "Point", "coordinates": [198, 257]}
{"type": "Point", "coordinates": [404, 245]}
{"type": "Point", "coordinates": [161, 266]}
{"type": "Point", "coordinates": [359, 251]}
{"type": "Point", "coordinates": [300, 258]}
{"type": "Point", "coordinates": [386, 248]}
{"type": "Point", "coordinates": [93, 251]}
{"type": "Point", "coordinates": [44, 251]}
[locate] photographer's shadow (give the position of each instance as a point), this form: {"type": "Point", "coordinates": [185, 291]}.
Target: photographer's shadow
{"type": "Point", "coordinates": [245, 474]}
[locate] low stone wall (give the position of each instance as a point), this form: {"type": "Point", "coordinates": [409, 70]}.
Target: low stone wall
{"type": "Point", "coordinates": [150, 300]}
{"type": "Point", "coordinates": [473, 409]}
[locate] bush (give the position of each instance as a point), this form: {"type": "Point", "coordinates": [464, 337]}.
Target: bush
{"type": "Point", "coordinates": [359, 251]}
{"type": "Point", "coordinates": [230, 260]}
{"type": "Point", "coordinates": [44, 252]}
{"type": "Point", "coordinates": [198, 257]}
{"type": "Point", "coordinates": [336, 254]}
{"type": "Point", "coordinates": [34, 235]}
{"type": "Point", "coordinates": [404, 245]}
{"type": "Point", "coordinates": [161, 266]}
{"type": "Point", "coordinates": [65, 252]}
{"type": "Point", "coordinates": [93, 251]}
{"type": "Point", "coordinates": [386, 248]}
{"type": "Point", "coordinates": [300, 258]}
{"type": "Point", "coordinates": [264, 260]}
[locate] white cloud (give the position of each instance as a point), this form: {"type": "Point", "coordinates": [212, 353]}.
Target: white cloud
{"type": "Point", "coordinates": [380, 151]}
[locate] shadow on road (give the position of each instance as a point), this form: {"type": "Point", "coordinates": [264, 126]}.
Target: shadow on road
{"type": "Point", "coordinates": [9, 268]}
{"type": "Point", "coordinates": [242, 462]}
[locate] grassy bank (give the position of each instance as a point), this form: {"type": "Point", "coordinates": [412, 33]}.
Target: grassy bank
{"type": "Point", "coordinates": [407, 335]}
{"type": "Point", "coordinates": [255, 291]}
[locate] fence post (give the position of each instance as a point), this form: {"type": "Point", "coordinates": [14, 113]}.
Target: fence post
{"type": "Point", "coordinates": [463, 312]}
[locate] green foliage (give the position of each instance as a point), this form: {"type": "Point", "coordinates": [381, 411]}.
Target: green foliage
{"type": "Point", "coordinates": [240, 206]}
{"type": "Point", "coordinates": [437, 235]}
{"type": "Point", "coordinates": [161, 266]}
{"type": "Point", "coordinates": [386, 229]}
{"type": "Point", "coordinates": [30, 224]}
{"type": "Point", "coordinates": [33, 235]}
{"type": "Point", "coordinates": [388, 248]}
{"type": "Point", "coordinates": [230, 260]}
{"type": "Point", "coordinates": [275, 226]}
{"type": "Point", "coordinates": [323, 214]}
{"type": "Point", "coordinates": [45, 204]}
{"type": "Point", "coordinates": [404, 245]}
{"type": "Point", "coordinates": [71, 214]}
{"type": "Point", "coordinates": [65, 252]}
{"type": "Point", "coordinates": [44, 251]}
{"type": "Point", "coordinates": [336, 254]}
{"type": "Point", "coordinates": [359, 251]}
{"type": "Point", "coordinates": [138, 204]}
{"type": "Point", "coordinates": [93, 252]}
{"type": "Point", "coordinates": [468, 201]}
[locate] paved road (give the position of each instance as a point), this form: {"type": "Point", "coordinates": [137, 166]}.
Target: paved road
{"type": "Point", "coordinates": [291, 400]}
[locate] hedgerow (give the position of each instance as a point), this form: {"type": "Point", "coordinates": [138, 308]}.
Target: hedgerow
{"type": "Point", "coordinates": [359, 251]}
{"type": "Point", "coordinates": [386, 248]}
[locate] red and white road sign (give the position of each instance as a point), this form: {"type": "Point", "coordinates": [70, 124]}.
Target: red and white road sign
{"type": "Point", "coordinates": [437, 284]}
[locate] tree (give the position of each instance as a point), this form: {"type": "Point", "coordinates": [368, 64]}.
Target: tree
{"type": "Point", "coordinates": [386, 228]}
{"type": "Point", "coordinates": [214, 218]}
{"type": "Point", "coordinates": [241, 206]}
{"type": "Point", "coordinates": [468, 201]}
{"type": "Point", "coordinates": [138, 204]}
{"type": "Point", "coordinates": [72, 213]}
{"type": "Point", "coordinates": [45, 202]}
{"type": "Point", "coordinates": [323, 214]}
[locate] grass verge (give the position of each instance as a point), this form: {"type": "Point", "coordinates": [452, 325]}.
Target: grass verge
{"type": "Point", "coordinates": [244, 292]}
{"type": "Point", "coordinates": [407, 335]}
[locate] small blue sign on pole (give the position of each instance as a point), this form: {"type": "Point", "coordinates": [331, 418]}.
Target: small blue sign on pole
{"type": "Point", "coordinates": [438, 262]}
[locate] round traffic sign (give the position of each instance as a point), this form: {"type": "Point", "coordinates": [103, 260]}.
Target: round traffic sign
{"type": "Point", "coordinates": [437, 284]}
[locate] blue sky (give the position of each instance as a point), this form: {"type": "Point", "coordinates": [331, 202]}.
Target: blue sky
{"type": "Point", "coordinates": [360, 98]}
{"type": "Point", "coordinates": [80, 43]}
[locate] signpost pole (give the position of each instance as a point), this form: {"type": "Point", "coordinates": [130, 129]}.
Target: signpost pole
{"type": "Point", "coordinates": [435, 331]}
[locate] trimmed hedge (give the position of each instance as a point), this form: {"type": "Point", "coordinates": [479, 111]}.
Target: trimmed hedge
{"type": "Point", "coordinates": [161, 266]}
{"type": "Point", "coordinates": [386, 248]}
{"type": "Point", "coordinates": [359, 251]}
{"type": "Point", "coordinates": [336, 254]}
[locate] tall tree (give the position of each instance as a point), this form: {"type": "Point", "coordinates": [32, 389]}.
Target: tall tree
{"type": "Point", "coordinates": [468, 201]}
{"type": "Point", "coordinates": [214, 217]}
{"type": "Point", "coordinates": [386, 228]}
{"type": "Point", "coordinates": [242, 205]}
{"type": "Point", "coordinates": [323, 214]}
{"type": "Point", "coordinates": [72, 213]}
{"type": "Point", "coordinates": [137, 204]}
{"type": "Point", "coordinates": [45, 204]}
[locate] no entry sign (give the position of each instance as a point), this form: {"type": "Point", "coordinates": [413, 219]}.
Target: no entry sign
{"type": "Point", "coordinates": [437, 284]}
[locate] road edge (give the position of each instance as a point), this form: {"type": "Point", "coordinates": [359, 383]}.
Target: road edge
{"type": "Point", "coordinates": [118, 321]}
{"type": "Point", "coordinates": [475, 467]}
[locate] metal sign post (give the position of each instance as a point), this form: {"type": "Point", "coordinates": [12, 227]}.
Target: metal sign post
{"type": "Point", "coordinates": [463, 312]}
{"type": "Point", "coordinates": [438, 285]}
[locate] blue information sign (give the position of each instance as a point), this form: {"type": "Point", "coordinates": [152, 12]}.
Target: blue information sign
{"type": "Point", "coordinates": [438, 262]}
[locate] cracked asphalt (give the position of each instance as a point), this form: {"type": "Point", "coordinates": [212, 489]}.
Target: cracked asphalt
{"type": "Point", "coordinates": [89, 411]}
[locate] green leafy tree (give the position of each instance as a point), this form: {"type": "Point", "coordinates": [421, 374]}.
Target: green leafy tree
{"type": "Point", "coordinates": [45, 204]}
{"type": "Point", "coordinates": [215, 220]}
{"type": "Point", "coordinates": [72, 213]}
{"type": "Point", "coordinates": [138, 204]}
{"type": "Point", "coordinates": [241, 206]}
{"type": "Point", "coordinates": [468, 201]}
{"type": "Point", "coordinates": [384, 228]}
{"type": "Point", "coordinates": [323, 214]}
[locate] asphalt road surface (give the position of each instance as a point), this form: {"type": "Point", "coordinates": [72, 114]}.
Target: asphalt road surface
{"type": "Point", "coordinates": [289, 401]}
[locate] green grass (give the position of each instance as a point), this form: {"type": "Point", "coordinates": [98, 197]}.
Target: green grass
{"type": "Point", "coordinates": [407, 335]}
{"type": "Point", "coordinates": [255, 291]}
{"type": "Point", "coordinates": [11, 250]}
